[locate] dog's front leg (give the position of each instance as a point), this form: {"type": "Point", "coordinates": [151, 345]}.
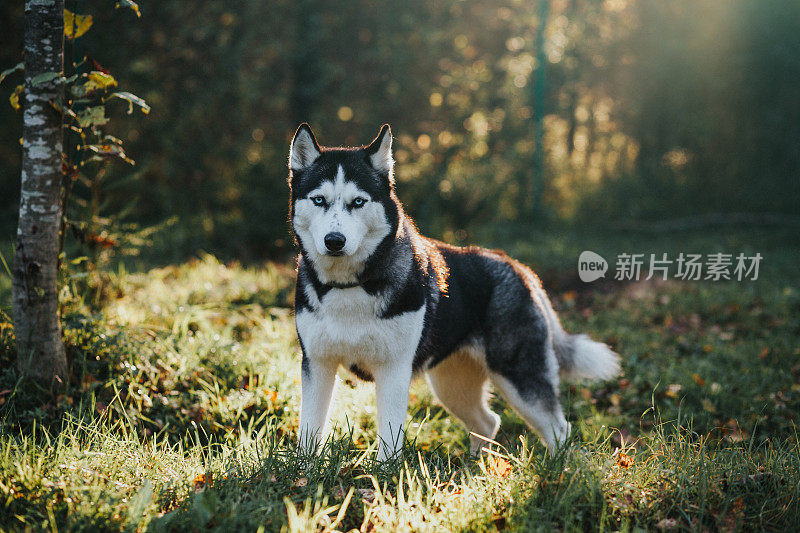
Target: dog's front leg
{"type": "Point", "coordinates": [318, 378]}
{"type": "Point", "coordinates": [392, 382]}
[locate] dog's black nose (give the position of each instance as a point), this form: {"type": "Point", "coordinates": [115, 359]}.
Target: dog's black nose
{"type": "Point", "coordinates": [334, 241]}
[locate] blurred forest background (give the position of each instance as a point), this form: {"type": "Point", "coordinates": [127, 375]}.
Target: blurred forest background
{"type": "Point", "coordinates": [181, 402]}
{"type": "Point", "coordinates": [654, 110]}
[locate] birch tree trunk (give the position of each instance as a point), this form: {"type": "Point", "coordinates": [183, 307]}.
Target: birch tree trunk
{"type": "Point", "coordinates": [36, 322]}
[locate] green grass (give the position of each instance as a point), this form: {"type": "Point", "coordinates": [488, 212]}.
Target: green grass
{"type": "Point", "coordinates": [181, 411]}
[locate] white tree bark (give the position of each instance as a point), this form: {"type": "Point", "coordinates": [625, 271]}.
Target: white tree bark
{"type": "Point", "coordinates": [35, 295]}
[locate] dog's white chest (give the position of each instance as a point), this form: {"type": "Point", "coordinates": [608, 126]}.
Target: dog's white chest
{"type": "Point", "coordinates": [345, 326]}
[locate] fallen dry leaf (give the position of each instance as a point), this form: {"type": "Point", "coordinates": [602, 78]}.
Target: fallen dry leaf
{"type": "Point", "coordinates": [272, 395]}
{"type": "Point", "coordinates": [624, 460]}
{"type": "Point", "coordinates": [201, 481]}
{"type": "Point", "coordinates": [498, 466]}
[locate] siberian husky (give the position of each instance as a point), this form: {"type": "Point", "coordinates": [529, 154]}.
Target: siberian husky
{"type": "Point", "coordinates": [386, 303]}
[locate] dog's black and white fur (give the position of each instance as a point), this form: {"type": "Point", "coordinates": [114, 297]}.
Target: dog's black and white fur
{"type": "Point", "coordinates": [375, 296]}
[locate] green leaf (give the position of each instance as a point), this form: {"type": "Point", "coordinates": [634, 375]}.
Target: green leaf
{"type": "Point", "coordinates": [92, 116]}
{"type": "Point", "coordinates": [133, 99]}
{"type": "Point", "coordinates": [45, 77]}
{"type": "Point", "coordinates": [129, 4]}
{"type": "Point", "coordinates": [19, 66]}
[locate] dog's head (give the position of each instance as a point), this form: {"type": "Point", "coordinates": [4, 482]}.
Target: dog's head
{"type": "Point", "coordinates": [342, 203]}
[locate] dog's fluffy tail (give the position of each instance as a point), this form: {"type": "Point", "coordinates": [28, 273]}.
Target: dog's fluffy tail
{"type": "Point", "coordinates": [579, 357]}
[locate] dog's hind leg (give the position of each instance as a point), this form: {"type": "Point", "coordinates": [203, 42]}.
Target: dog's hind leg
{"type": "Point", "coordinates": [461, 385]}
{"type": "Point", "coordinates": [540, 410]}
{"type": "Point", "coordinates": [523, 368]}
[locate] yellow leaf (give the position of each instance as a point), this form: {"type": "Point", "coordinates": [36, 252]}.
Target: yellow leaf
{"type": "Point", "coordinates": [697, 379]}
{"type": "Point", "coordinates": [14, 98]}
{"type": "Point", "coordinates": [76, 25]}
{"type": "Point", "coordinates": [99, 80]}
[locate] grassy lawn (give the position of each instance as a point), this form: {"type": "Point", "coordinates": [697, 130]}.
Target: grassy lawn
{"type": "Point", "coordinates": [183, 402]}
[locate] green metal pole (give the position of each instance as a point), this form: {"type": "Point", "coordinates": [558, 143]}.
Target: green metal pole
{"type": "Point", "coordinates": [537, 181]}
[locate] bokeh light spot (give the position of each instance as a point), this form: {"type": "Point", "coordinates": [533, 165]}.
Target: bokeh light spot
{"type": "Point", "coordinates": [345, 113]}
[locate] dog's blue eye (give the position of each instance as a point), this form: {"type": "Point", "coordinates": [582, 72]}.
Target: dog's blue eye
{"type": "Point", "coordinates": [318, 200]}
{"type": "Point", "coordinates": [358, 202]}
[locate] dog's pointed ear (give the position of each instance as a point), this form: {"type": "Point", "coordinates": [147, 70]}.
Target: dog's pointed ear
{"type": "Point", "coordinates": [379, 151]}
{"type": "Point", "coordinates": [304, 149]}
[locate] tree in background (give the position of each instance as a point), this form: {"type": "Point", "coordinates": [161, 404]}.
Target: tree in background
{"type": "Point", "coordinates": [35, 296]}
